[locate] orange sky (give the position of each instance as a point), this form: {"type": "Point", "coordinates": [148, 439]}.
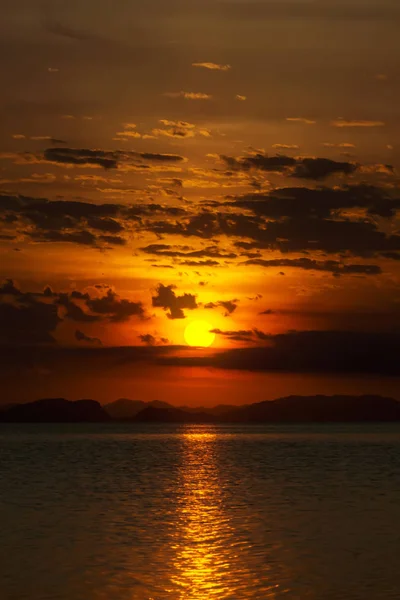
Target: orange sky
{"type": "Point", "coordinates": [225, 161]}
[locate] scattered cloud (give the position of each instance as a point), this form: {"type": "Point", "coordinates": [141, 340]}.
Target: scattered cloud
{"type": "Point", "coordinates": [150, 340]}
{"type": "Point", "coordinates": [302, 120]}
{"type": "Point", "coordinates": [356, 123]}
{"type": "Point", "coordinates": [167, 299]}
{"type": "Point", "coordinates": [308, 264]}
{"type": "Point", "coordinates": [301, 168]}
{"type": "Point", "coordinates": [212, 66]}
{"type": "Point", "coordinates": [228, 305]}
{"type": "Point", "coordinates": [82, 337]}
{"type": "Point", "coordinates": [189, 95]}
{"type": "Point", "coordinates": [285, 146]}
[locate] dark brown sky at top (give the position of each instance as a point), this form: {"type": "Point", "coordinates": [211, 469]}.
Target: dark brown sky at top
{"type": "Point", "coordinates": [229, 161]}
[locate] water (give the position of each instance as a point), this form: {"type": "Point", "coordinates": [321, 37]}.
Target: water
{"type": "Point", "coordinates": [199, 512]}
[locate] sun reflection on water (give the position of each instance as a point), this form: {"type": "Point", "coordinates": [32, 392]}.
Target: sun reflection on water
{"type": "Point", "coordinates": [208, 552]}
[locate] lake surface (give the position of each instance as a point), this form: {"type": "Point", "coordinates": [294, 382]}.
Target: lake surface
{"type": "Point", "coordinates": [112, 512]}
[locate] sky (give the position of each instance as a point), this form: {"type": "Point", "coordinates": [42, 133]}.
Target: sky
{"type": "Point", "coordinates": [228, 162]}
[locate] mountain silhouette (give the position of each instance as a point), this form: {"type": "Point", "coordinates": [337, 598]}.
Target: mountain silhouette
{"type": "Point", "coordinates": [55, 410]}
{"type": "Point", "coordinates": [291, 409]}
{"type": "Point", "coordinates": [125, 409]}
{"type": "Point", "coordinates": [320, 409]}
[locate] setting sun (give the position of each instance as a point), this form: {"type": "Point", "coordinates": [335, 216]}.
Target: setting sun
{"type": "Point", "coordinates": [198, 333]}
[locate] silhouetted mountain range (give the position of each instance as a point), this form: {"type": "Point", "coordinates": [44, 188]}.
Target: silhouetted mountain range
{"type": "Point", "coordinates": [292, 409]}
{"type": "Point", "coordinates": [55, 410]}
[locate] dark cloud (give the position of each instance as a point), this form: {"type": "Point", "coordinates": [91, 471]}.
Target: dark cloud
{"type": "Point", "coordinates": [320, 168]}
{"type": "Point", "coordinates": [228, 305]}
{"type": "Point", "coordinates": [115, 308]}
{"type": "Point", "coordinates": [169, 301]}
{"type": "Point", "coordinates": [74, 311]}
{"type": "Point", "coordinates": [148, 339]}
{"type": "Point", "coordinates": [323, 202]}
{"type": "Point", "coordinates": [82, 156]}
{"type": "Point", "coordinates": [24, 319]}
{"type": "Point", "coordinates": [8, 288]}
{"type": "Point", "coordinates": [207, 225]}
{"type": "Point", "coordinates": [309, 264]}
{"type": "Point", "coordinates": [360, 238]}
{"type": "Point", "coordinates": [355, 353]}
{"type": "Point", "coordinates": [113, 240]}
{"type": "Point", "coordinates": [106, 225]}
{"type": "Point", "coordinates": [262, 162]}
{"type": "Point", "coordinates": [186, 251]}
{"type": "Point", "coordinates": [85, 238]}
{"type": "Point", "coordinates": [241, 335]}
{"type": "Point", "coordinates": [200, 263]}
{"type": "Point", "coordinates": [32, 317]}
{"type": "Point", "coordinates": [151, 340]}
{"type": "Point", "coordinates": [302, 168]}
{"type": "Point", "coordinates": [76, 221]}
{"type": "Point", "coordinates": [300, 234]}
{"type": "Point", "coordinates": [82, 337]}
{"type": "Point", "coordinates": [64, 220]}
{"type": "Point", "coordinates": [160, 157]}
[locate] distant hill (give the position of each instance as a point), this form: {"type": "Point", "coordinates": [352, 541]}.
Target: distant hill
{"type": "Point", "coordinates": [291, 409]}
{"type": "Point", "coordinates": [125, 409]}
{"type": "Point", "coordinates": [55, 410]}
{"type": "Point", "coordinates": [319, 409]}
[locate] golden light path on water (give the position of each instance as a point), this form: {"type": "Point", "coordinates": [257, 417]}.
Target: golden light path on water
{"type": "Point", "coordinates": [210, 555]}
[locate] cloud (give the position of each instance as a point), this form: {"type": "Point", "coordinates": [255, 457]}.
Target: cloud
{"type": "Point", "coordinates": [180, 130]}
{"type": "Point", "coordinates": [212, 66]}
{"type": "Point", "coordinates": [161, 157]}
{"type": "Point", "coordinates": [114, 308]}
{"type": "Point", "coordinates": [302, 202]}
{"type": "Point", "coordinates": [186, 252]}
{"type": "Point", "coordinates": [83, 223]}
{"type": "Point", "coordinates": [38, 138]}
{"type": "Point", "coordinates": [301, 168]}
{"type": "Point", "coordinates": [240, 98]}
{"type": "Point", "coordinates": [82, 337]}
{"type": "Point", "coordinates": [356, 123]}
{"type": "Point", "coordinates": [297, 233]}
{"type": "Point", "coordinates": [32, 317]}
{"type": "Point", "coordinates": [320, 168]}
{"type": "Point", "coordinates": [308, 264]}
{"type": "Point", "coordinates": [344, 145]}
{"type": "Point", "coordinates": [228, 305]}
{"type": "Point", "coordinates": [300, 120]}
{"type": "Point", "coordinates": [24, 319]}
{"type": "Point", "coordinates": [74, 156]}
{"type": "Point", "coordinates": [189, 95]}
{"type": "Point", "coordinates": [285, 146]}
{"type": "Point", "coordinates": [167, 299]}
{"type": "Point", "coordinates": [151, 340]}
{"type": "Point", "coordinates": [8, 288]}
{"type": "Point", "coordinates": [241, 335]}
{"type": "Point", "coordinates": [355, 353]}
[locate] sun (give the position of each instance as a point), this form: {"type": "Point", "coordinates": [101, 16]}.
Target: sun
{"type": "Point", "coordinates": [198, 333]}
